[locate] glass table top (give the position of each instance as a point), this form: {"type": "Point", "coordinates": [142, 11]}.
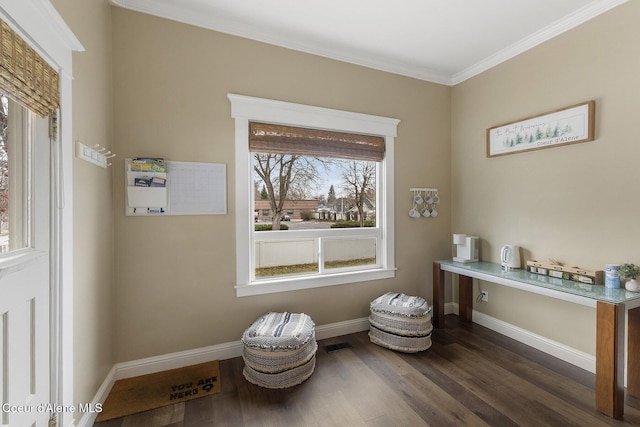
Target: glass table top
{"type": "Point", "coordinates": [595, 292]}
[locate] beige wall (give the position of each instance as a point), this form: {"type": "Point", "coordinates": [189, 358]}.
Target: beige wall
{"type": "Point", "coordinates": [90, 21]}
{"type": "Point", "coordinates": [577, 203]}
{"type": "Point", "coordinates": [170, 284]}
{"type": "Point", "coordinates": [175, 275]}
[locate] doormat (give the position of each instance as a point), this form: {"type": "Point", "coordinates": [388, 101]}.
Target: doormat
{"type": "Point", "coordinates": [138, 394]}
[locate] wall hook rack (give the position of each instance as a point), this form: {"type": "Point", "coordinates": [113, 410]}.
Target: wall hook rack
{"type": "Point", "coordinates": [427, 198]}
{"type": "Point", "coordinates": [94, 154]}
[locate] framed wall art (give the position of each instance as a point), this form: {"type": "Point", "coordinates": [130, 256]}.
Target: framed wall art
{"type": "Point", "coordinates": [569, 125]}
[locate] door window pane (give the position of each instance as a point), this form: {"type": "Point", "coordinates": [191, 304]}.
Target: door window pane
{"type": "Point", "coordinates": [14, 175]}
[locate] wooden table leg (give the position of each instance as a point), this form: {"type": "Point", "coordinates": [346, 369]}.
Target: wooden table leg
{"type": "Point", "coordinates": [633, 350]}
{"type": "Point", "coordinates": [465, 298]}
{"type": "Point", "coordinates": [438, 296]}
{"type": "Point", "coordinates": [610, 359]}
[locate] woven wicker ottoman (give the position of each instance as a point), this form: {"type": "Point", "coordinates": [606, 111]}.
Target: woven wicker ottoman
{"type": "Point", "coordinates": [400, 322]}
{"type": "Point", "coordinates": [279, 350]}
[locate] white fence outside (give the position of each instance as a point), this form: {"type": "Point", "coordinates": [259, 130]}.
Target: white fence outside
{"type": "Point", "coordinates": [290, 252]}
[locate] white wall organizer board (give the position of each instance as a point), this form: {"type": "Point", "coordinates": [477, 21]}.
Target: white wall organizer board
{"type": "Point", "coordinates": [191, 188]}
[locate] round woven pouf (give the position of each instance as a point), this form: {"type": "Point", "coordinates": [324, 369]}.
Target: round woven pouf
{"type": "Point", "coordinates": [279, 350]}
{"type": "Point", "coordinates": [400, 322]}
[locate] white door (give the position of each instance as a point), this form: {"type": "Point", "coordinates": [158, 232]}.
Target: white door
{"type": "Point", "coordinates": [25, 210]}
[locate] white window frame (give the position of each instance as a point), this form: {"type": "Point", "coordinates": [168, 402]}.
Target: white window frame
{"type": "Point", "coordinates": [245, 109]}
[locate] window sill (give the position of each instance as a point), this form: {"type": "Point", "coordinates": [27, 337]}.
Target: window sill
{"type": "Point", "coordinates": [299, 283]}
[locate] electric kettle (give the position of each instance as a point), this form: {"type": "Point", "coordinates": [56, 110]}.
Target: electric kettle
{"type": "Point", "coordinates": [510, 257]}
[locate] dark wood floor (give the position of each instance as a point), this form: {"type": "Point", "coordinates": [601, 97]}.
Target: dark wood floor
{"type": "Point", "coordinates": [471, 376]}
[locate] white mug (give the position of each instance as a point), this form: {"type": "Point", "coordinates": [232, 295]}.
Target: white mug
{"type": "Point", "coordinates": [434, 212]}
{"type": "Point", "coordinates": [425, 212]}
{"type": "Point", "coordinates": [413, 213]}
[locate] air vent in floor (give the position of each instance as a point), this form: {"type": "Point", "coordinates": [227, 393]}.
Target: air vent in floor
{"type": "Point", "coordinates": [334, 347]}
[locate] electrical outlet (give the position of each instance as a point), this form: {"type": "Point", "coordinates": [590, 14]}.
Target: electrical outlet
{"type": "Point", "coordinates": [485, 296]}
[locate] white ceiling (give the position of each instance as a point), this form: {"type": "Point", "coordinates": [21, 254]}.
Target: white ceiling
{"type": "Point", "coordinates": [442, 41]}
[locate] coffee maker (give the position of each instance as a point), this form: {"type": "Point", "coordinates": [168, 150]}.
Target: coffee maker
{"type": "Point", "coordinates": [467, 248]}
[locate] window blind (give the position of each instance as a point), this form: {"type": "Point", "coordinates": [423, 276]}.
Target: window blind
{"type": "Point", "coordinates": [280, 139]}
{"type": "Point", "coordinates": [25, 76]}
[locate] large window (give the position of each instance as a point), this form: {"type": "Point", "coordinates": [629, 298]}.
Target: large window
{"type": "Point", "coordinates": [314, 201]}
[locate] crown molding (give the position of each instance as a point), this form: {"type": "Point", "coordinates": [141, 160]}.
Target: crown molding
{"type": "Point", "coordinates": [212, 22]}
{"type": "Point", "coordinates": [579, 17]}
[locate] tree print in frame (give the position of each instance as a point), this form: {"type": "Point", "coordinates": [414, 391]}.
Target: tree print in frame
{"type": "Point", "coordinates": [569, 125]}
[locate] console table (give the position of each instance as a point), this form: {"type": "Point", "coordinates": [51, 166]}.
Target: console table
{"type": "Point", "coordinates": [610, 304]}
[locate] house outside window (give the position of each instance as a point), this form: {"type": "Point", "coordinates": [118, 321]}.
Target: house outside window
{"type": "Point", "coordinates": [293, 208]}
{"type": "Point", "coordinates": [319, 250]}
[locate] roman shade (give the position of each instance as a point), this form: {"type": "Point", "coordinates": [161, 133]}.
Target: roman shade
{"type": "Point", "coordinates": [281, 139]}
{"type": "Point", "coordinates": [25, 76]}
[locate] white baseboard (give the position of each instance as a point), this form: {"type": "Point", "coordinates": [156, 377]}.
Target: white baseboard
{"type": "Point", "coordinates": [563, 352]}
{"type": "Point", "coordinates": [568, 354]}
{"type": "Point", "coordinates": [179, 359]}
{"type": "Point", "coordinates": [342, 328]}
{"type": "Point", "coordinates": [221, 351]}
{"type": "Point", "coordinates": [234, 349]}
{"type": "Point", "coordinates": [451, 308]}
{"type": "Point", "coordinates": [89, 418]}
